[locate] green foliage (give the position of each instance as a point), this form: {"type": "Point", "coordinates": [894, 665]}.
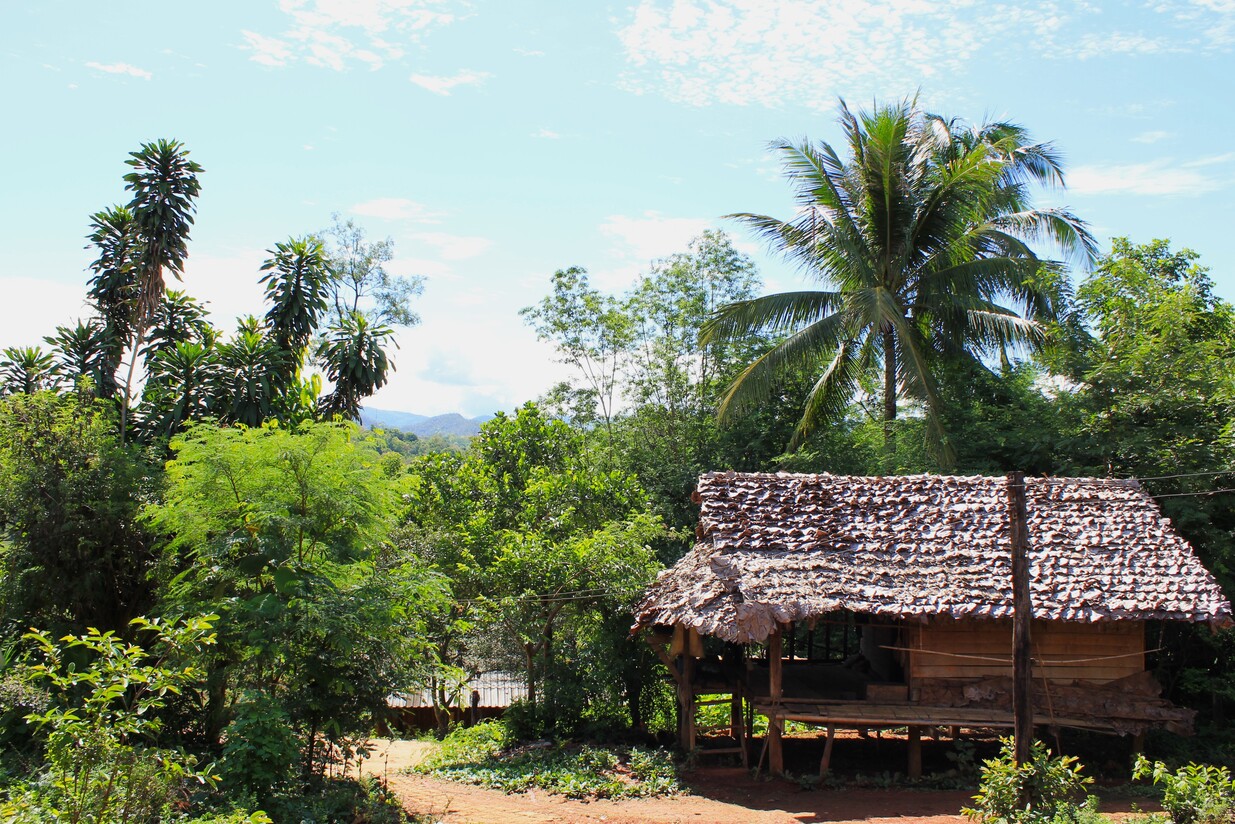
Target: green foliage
{"type": "Point", "coordinates": [104, 694]}
{"type": "Point", "coordinates": [164, 186]}
{"type": "Point", "coordinates": [260, 747]}
{"type": "Point", "coordinates": [76, 556]}
{"type": "Point", "coordinates": [483, 755]}
{"type": "Point", "coordinates": [546, 552]}
{"type": "Point", "coordinates": [1044, 789]}
{"type": "Point", "coordinates": [1192, 794]}
{"type": "Point", "coordinates": [282, 534]}
{"type": "Point", "coordinates": [353, 356]}
{"type": "Point", "coordinates": [359, 281]}
{"type": "Point", "coordinates": [919, 237]}
{"type": "Point", "coordinates": [364, 801]}
{"type": "Point", "coordinates": [26, 370]}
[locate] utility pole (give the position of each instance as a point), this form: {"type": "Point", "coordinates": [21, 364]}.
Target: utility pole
{"type": "Point", "coordinates": [1022, 611]}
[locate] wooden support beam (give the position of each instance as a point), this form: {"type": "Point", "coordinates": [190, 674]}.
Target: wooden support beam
{"type": "Point", "coordinates": [1022, 610]}
{"type": "Point", "coordinates": [737, 723]}
{"type": "Point", "coordinates": [915, 751]}
{"type": "Point", "coordinates": [825, 763]}
{"type": "Point", "coordinates": [776, 724]}
{"type": "Point", "coordinates": [686, 701]}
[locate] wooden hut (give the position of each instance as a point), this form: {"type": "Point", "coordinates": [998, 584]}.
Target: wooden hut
{"type": "Point", "coordinates": [887, 602]}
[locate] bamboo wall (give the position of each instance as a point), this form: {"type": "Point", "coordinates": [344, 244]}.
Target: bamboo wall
{"type": "Point", "coordinates": [946, 648]}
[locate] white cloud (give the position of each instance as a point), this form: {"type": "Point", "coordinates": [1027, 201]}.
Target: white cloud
{"type": "Point", "coordinates": [454, 247]}
{"type": "Point", "coordinates": [1151, 136]}
{"type": "Point", "coordinates": [336, 33]}
{"type": "Point", "coordinates": [269, 51]}
{"type": "Point", "coordinates": [787, 52]}
{"type": "Point", "coordinates": [547, 134]}
{"type": "Point", "coordinates": [1163, 177]}
{"type": "Point", "coordinates": [653, 235]}
{"type": "Point", "coordinates": [444, 84]}
{"type": "Point", "coordinates": [396, 208]}
{"type": "Point", "coordinates": [1105, 44]}
{"type": "Point", "coordinates": [120, 68]}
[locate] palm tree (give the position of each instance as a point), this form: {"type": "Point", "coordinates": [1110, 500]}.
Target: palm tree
{"type": "Point", "coordinates": [83, 352]}
{"type": "Point", "coordinates": [297, 282]}
{"type": "Point", "coordinates": [923, 236]}
{"type": "Point", "coordinates": [26, 370]}
{"type": "Point", "coordinates": [164, 186]}
{"type": "Point", "coordinates": [355, 360]}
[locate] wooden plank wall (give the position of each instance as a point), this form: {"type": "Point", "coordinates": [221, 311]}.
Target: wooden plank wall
{"type": "Point", "coordinates": [1074, 645]}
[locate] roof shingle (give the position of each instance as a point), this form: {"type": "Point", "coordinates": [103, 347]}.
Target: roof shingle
{"type": "Point", "coordinates": [775, 548]}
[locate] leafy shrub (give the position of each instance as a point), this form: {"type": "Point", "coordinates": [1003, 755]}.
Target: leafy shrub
{"type": "Point", "coordinates": [261, 748]}
{"type": "Point", "coordinates": [363, 801]}
{"type": "Point", "coordinates": [483, 755]}
{"type": "Point", "coordinates": [1193, 794]}
{"type": "Point", "coordinates": [1050, 785]}
{"type": "Point", "coordinates": [102, 700]}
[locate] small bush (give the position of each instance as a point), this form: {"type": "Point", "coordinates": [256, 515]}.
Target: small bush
{"type": "Point", "coordinates": [483, 755]}
{"type": "Point", "coordinates": [260, 750]}
{"type": "Point", "coordinates": [1054, 789]}
{"type": "Point", "coordinates": [1193, 794]}
{"type": "Point", "coordinates": [363, 801]}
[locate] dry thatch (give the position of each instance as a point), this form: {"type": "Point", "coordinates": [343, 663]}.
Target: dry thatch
{"type": "Point", "coordinates": [778, 548]}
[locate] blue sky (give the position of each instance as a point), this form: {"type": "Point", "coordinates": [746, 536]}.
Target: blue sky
{"type": "Point", "coordinates": [498, 141]}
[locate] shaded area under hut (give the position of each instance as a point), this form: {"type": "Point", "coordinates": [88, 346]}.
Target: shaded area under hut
{"type": "Point", "coordinates": [880, 602]}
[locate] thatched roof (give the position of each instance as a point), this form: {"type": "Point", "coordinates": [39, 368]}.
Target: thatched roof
{"type": "Point", "coordinates": [777, 548]}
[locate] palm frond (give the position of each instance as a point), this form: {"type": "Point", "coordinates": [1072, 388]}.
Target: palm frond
{"type": "Point", "coordinates": [772, 313]}
{"type": "Point", "coordinates": [801, 350]}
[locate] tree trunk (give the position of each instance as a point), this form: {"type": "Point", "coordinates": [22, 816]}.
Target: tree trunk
{"type": "Point", "coordinates": [550, 679]}
{"type": "Point", "coordinates": [889, 394]}
{"type": "Point", "coordinates": [529, 653]}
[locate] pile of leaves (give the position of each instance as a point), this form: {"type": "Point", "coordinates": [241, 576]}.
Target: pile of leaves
{"type": "Point", "coordinates": [485, 755]}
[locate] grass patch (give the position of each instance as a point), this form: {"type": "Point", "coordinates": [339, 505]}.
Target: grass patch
{"type": "Point", "coordinates": [485, 755]}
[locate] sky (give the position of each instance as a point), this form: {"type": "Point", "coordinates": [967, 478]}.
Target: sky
{"type": "Point", "coordinates": [496, 141]}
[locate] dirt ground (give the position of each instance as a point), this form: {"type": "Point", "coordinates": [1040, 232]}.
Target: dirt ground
{"type": "Point", "coordinates": [718, 795]}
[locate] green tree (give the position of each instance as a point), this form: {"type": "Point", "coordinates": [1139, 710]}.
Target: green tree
{"type": "Point", "coordinates": [283, 534]}
{"type": "Point", "coordinates": [591, 333]}
{"type": "Point", "coordinates": [82, 353]}
{"type": "Point", "coordinates": [922, 235]}
{"type": "Point", "coordinates": [75, 555]}
{"type": "Point", "coordinates": [359, 281]}
{"type": "Point", "coordinates": [297, 283]}
{"type": "Point", "coordinates": [164, 186]}
{"type": "Point", "coordinates": [113, 287]}
{"type": "Point", "coordinates": [546, 553]}
{"type": "Point", "coordinates": [354, 358]}
{"type": "Point", "coordinates": [26, 370]}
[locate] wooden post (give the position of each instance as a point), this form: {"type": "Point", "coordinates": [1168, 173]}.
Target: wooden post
{"type": "Point", "coordinates": [686, 701]}
{"type": "Point", "coordinates": [776, 757]}
{"type": "Point", "coordinates": [915, 751]}
{"type": "Point", "coordinates": [825, 763]}
{"type": "Point", "coordinates": [1022, 611]}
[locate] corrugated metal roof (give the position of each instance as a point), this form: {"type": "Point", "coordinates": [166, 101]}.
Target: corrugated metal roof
{"type": "Point", "coordinates": [497, 689]}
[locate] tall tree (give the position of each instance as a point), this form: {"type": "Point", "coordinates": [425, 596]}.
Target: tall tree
{"type": "Point", "coordinates": [164, 186]}
{"type": "Point", "coordinates": [923, 235]}
{"type": "Point", "coordinates": [359, 281]}
{"type": "Point", "coordinates": [113, 286]}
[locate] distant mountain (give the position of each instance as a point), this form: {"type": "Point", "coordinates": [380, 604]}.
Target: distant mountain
{"type": "Point", "coordinates": [390, 420]}
{"type": "Point", "coordinates": [422, 425]}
